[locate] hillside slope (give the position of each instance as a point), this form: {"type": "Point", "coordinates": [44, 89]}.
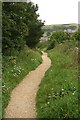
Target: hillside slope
{"type": "Point", "coordinates": [15, 68]}
{"type": "Point", "coordinates": [58, 93]}
{"type": "Point", "coordinates": [50, 28]}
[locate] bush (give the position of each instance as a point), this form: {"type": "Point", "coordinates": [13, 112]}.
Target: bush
{"type": "Point", "coordinates": [76, 36]}
{"type": "Point", "coordinates": [59, 36]}
{"type": "Point", "coordinates": [15, 68]}
{"type": "Point", "coordinates": [51, 45]}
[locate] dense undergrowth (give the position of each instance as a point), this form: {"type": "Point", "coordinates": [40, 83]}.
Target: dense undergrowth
{"type": "Point", "coordinates": [57, 96]}
{"type": "Point", "coordinates": [0, 85]}
{"type": "Point", "coordinates": [43, 45]}
{"type": "Point", "coordinates": [15, 68]}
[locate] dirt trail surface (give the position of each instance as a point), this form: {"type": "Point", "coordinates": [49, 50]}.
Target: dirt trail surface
{"type": "Point", "coordinates": [22, 103]}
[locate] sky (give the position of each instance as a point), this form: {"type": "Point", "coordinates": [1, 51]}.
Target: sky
{"type": "Point", "coordinates": [58, 11]}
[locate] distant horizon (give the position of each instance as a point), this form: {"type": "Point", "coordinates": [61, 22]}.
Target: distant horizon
{"type": "Point", "coordinates": [62, 24]}
{"type": "Point", "coordinates": [58, 11]}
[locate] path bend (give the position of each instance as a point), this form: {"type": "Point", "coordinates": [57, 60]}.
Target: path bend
{"type": "Point", "coordinates": [22, 103]}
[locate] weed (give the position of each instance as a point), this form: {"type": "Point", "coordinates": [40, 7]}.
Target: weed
{"type": "Point", "coordinates": [57, 96]}
{"type": "Point", "coordinates": [15, 68]}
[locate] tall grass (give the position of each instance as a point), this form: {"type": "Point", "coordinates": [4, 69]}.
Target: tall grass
{"type": "Point", "coordinates": [0, 86]}
{"type": "Point", "coordinates": [15, 68]}
{"type": "Point", "coordinates": [42, 45]}
{"type": "Point", "coordinates": [57, 96]}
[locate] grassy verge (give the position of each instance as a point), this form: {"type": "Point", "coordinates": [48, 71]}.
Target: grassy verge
{"type": "Point", "coordinates": [15, 68]}
{"type": "Point", "coordinates": [57, 96]}
{"type": "Point", "coordinates": [0, 86]}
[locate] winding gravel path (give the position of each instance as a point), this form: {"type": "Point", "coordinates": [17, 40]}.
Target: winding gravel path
{"type": "Point", "coordinates": [22, 103]}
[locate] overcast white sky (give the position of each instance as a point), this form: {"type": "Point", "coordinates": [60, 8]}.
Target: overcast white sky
{"type": "Point", "coordinates": [58, 11]}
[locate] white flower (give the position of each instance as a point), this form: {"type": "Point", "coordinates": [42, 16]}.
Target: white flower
{"type": "Point", "coordinates": [3, 86]}
{"type": "Point", "coordinates": [48, 102]}
{"type": "Point", "coordinates": [49, 96]}
{"type": "Point", "coordinates": [73, 93]}
{"type": "Point", "coordinates": [62, 89]}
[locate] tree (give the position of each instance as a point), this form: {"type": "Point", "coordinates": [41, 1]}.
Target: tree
{"type": "Point", "coordinates": [59, 36]}
{"type": "Point", "coordinates": [20, 26]}
{"type": "Point", "coordinates": [34, 26]}
{"type": "Point", "coordinates": [76, 36]}
{"type": "Point", "coordinates": [13, 27]}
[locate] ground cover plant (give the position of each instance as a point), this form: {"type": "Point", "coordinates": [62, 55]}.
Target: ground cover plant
{"type": "Point", "coordinates": [0, 86]}
{"type": "Point", "coordinates": [15, 68]}
{"type": "Point", "coordinates": [57, 96]}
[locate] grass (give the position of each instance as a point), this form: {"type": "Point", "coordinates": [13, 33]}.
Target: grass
{"type": "Point", "coordinates": [43, 45]}
{"type": "Point", "coordinates": [15, 68]}
{"type": "Point", "coordinates": [57, 96]}
{"type": "Point", "coordinates": [0, 86]}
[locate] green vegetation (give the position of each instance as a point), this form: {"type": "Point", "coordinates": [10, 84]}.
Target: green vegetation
{"type": "Point", "coordinates": [56, 27]}
{"type": "Point", "coordinates": [57, 96]}
{"type": "Point", "coordinates": [58, 93]}
{"type": "Point", "coordinates": [0, 62]}
{"type": "Point", "coordinates": [0, 86]}
{"type": "Point", "coordinates": [21, 30]}
{"type": "Point", "coordinates": [76, 36]}
{"type": "Point", "coordinates": [43, 45]}
{"type": "Point", "coordinates": [57, 37]}
{"type": "Point", "coordinates": [53, 39]}
{"type": "Point", "coordinates": [15, 68]}
{"type": "Point", "coordinates": [20, 26]}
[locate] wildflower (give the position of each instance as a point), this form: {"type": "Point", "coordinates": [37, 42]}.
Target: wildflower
{"type": "Point", "coordinates": [57, 93]}
{"type": "Point", "coordinates": [73, 93]}
{"type": "Point", "coordinates": [62, 93]}
{"type": "Point", "coordinates": [62, 89]}
{"type": "Point", "coordinates": [15, 75]}
{"type": "Point", "coordinates": [48, 103]}
{"type": "Point", "coordinates": [49, 96]}
{"type": "Point", "coordinates": [3, 86]}
{"type": "Point", "coordinates": [11, 70]}
{"type": "Point", "coordinates": [19, 70]}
